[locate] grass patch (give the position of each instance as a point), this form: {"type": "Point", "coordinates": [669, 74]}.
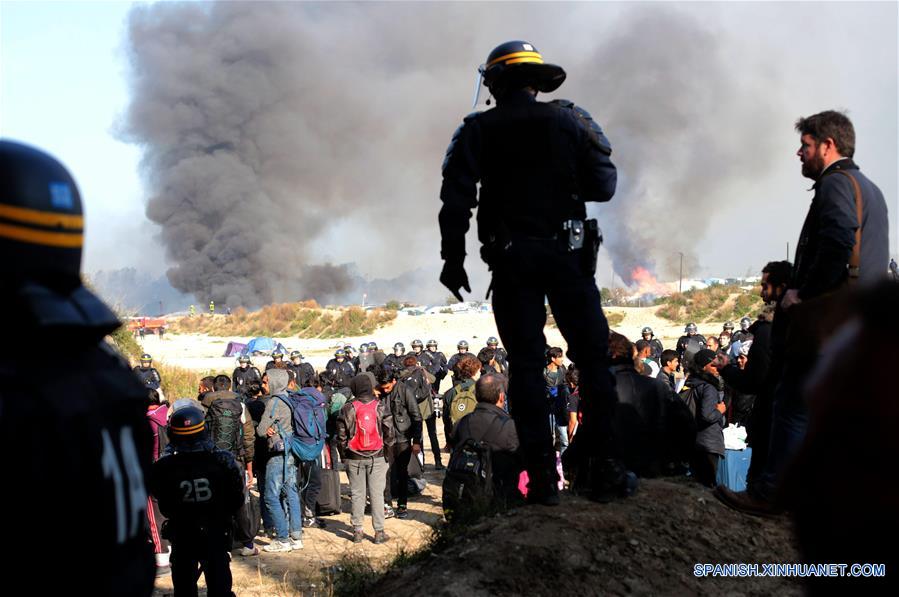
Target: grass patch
{"type": "Point", "coordinates": [304, 320]}
{"type": "Point", "coordinates": [614, 318]}
{"type": "Point", "coordinates": [715, 303]}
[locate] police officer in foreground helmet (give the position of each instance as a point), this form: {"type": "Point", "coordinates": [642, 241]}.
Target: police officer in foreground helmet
{"type": "Point", "coordinates": [352, 357]}
{"type": "Point", "coordinates": [394, 361]}
{"type": "Point", "coordinates": [200, 489]}
{"type": "Point", "coordinates": [499, 352]}
{"type": "Point", "coordinates": [655, 344]}
{"type": "Point", "coordinates": [101, 442]}
{"type": "Point", "coordinates": [147, 373]}
{"type": "Point", "coordinates": [424, 357]}
{"type": "Point", "coordinates": [461, 351]}
{"type": "Point", "coordinates": [538, 164]}
{"type": "Point", "coordinates": [689, 345]}
{"type": "Point", "coordinates": [277, 360]}
{"type": "Point", "coordinates": [340, 370]}
{"type": "Point", "coordinates": [743, 333]}
{"type": "Point", "coordinates": [438, 365]}
{"type": "Point", "coordinates": [244, 375]}
{"type": "Point", "coordinates": [304, 372]}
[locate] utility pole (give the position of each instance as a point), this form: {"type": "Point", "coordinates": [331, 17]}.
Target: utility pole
{"type": "Point", "coordinates": [680, 281]}
{"type": "Point", "coordinates": [788, 250]}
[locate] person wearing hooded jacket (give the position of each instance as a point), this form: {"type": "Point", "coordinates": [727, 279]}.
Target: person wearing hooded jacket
{"type": "Point", "coordinates": [705, 384]}
{"type": "Point", "coordinates": [276, 424]}
{"type": "Point", "coordinates": [366, 468]}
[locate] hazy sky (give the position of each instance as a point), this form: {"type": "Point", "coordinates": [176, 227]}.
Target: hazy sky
{"type": "Point", "coordinates": [64, 87]}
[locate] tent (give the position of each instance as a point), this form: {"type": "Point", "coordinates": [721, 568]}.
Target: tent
{"type": "Point", "coordinates": [234, 349]}
{"type": "Point", "coordinates": [263, 345]}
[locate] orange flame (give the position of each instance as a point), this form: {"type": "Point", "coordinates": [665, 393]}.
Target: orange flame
{"type": "Point", "coordinates": [647, 283]}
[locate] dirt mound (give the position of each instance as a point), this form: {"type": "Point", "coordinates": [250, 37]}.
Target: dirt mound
{"type": "Point", "coordinates": [647, 545]}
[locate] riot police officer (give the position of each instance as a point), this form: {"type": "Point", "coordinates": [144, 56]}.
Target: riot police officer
{"type": "Point", "coordinates": [244, 375]}
{"type": "Point", "coordinates": [424, 358]}
{"type": "Point", "coordinates": [101, 443]}
{"type": "Point", "coordinates": [277, 359]}
{"type": "Point", "coordinates": [147, 373]}
{"type": "Point", "coordinates": [537, 164]}
{"type": "Point", "coordinates": [655, 345]}
{"type": "Point", "coordinates": [352, 357]}
{"type": "Point", "coordinates": [199, 488]}
{"type": "Point", "coordinates": [305, 373]}
{"type": "Point", "coordinates": [461, 351]}
{"type": "Point", "coordinates": [499, 353]}
{"type": "Point", "coordinates": [340, 370]}
{"type": "Point", "coordinates": [437, 366]}
{"type": "Point", "coordinates": [394, 362]}
{"type": "Point", "coordinates": [744, 333]}
{"type": "Point", "coordinates": [689, 344]}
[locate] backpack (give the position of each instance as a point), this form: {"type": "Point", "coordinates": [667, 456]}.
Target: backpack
{"type": "Point", "coordinates": [464, 402]}
{"type": "Point", "coordinates": [468, 484]}
{"type": "Point", "coordinates": [416, 382]}
{"type": "Point", "coordinates": [367, 437]}
{"type": "Point", "coordinates": [687, 398]}
{"type": "Point", "coordinates": [308, 415]}
{"type": "Point", "coordinates": [224, 425]}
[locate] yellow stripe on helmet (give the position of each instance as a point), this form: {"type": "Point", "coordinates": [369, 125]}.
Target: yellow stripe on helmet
{"type": "Point", "coordinates": [189, 430]}
{"type": "Point", "coordinates": [516, 57]}
{"type": "Point", "coordinates": [63, 240]}
{"type": "Point", "coordinates": [42, 218]}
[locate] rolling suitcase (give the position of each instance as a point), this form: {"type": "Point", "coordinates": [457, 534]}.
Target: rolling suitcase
{"type": "Point", "coordinates": [328, 501]}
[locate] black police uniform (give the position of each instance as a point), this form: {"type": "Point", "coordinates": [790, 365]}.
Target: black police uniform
{"type": "Point", "coordinates": [271, 364]}
{"type": "Point", "coordinates": [242, 378]}
{"type": "Point", "coordinates": [199, 491]}
{"type": "Point", "coordinates": [79, 443]}
{"type": "Point", "coordinates": [305, 374]}
{"type": "Point", "coordinates": [393, 363]}
{"type": "Point", "coordinates": [537, 163]}
{"type": "Point", "coordinates": [341, 373]}
{"type": "Point", "coordinates": [451, 366]}
{"type": "Point", "coordinates": [656, 349]}
{"type": "Point", "coordinates": [149, 377]}
{"type": "Point", "coordinates": [437, 367]}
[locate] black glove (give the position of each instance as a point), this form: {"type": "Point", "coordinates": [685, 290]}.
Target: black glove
{"type": "Point", "coordinates": [454, 277]}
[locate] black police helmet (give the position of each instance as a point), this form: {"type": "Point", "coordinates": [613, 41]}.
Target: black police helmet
{"type": "Point", "coordinates": [187, 423]}
{"type": "Point", "coordinates": [517, 64]}
{"type": "Point", "coordinates": [41, 217]}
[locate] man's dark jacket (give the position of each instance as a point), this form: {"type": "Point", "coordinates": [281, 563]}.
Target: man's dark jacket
{"type": "Point", "coordinates": [710, 421]}
{"type": "Point", "coordinates": [493, 426]}
{"type": "Point", "coordinates": [639, 423]}
{"type": "Point", "coordinates": [828, 234]}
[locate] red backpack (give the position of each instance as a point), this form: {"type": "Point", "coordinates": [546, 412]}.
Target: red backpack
{"type": "Point", "coordinates": [368, 428]}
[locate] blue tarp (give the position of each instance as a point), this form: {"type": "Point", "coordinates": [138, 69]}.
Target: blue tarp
{"type": "Point", "coordinates": [234, 349]}
{"type": "Point", "coordinates": [264, 345]}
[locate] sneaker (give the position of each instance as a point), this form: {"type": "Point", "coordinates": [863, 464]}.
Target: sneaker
{"type": "Point", "coordinates": [296, 543]}
{"type": "Point", "coordinates": [309, 522]}
{"type": "Point", "coordinates": [358, 536]}
{"type": "Point", "coordinates": [388, 512]}
{"type": "Point", "coordinates": [277, 546]}
{"type": "Point", "coordinates": [381, 537]}
{"type": "Point", "coordinates": [163, 570]}
{"type": "Point", "coordinates": [248, 551]}
{"type": "Point", "coordinates": [402, 512]}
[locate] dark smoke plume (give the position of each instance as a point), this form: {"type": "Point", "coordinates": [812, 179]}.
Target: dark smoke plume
{"type": "Point", "coordinates": [270, 129]}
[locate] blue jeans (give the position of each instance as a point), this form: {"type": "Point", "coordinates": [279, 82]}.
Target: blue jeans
{"type": "Point", "coordinates": [276, 481]}
{"type": "Point", "coordinates": [562, 434]}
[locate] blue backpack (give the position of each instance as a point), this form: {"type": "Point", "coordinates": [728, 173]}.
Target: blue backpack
{"type": "Point", "coordinates": [308, 409]}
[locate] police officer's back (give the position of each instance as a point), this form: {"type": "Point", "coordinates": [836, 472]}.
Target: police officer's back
{"type": "Point", "coordinates": [80, 435]}
{"type": "Point", "coordinates": [199, 489]}
{"type": "Point", "coordinates": [537, 164]}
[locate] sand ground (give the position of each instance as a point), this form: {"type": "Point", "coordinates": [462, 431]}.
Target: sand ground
{"type": "Point", "coordinates": [200, 352]}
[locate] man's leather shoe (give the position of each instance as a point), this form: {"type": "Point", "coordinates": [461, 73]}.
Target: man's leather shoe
{"type": "Point", "coordinates": [745, 502]}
